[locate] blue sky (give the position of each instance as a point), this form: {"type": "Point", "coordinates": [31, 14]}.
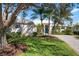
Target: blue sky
{"type": "Point", "coordinates": [75, 16]}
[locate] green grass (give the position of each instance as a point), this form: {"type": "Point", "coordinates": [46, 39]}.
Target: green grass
{"type": "Point", "coordinates": [40, 46]}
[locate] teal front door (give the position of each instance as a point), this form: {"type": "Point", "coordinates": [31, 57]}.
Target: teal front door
{"type": "Point", "coordinates": [46, 29]}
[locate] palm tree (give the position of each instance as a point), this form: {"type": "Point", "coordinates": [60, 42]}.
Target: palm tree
{"type": "Point", "coordinates": [48, 14]}
{"type": "Point", "coordinates": [62, 13]}
{"type": "Point", "coordinates": [56, 18]}
{"type": "Point", "coordinates": [65, 13]}
{"type": "Point", "coordinates": [38, 12]}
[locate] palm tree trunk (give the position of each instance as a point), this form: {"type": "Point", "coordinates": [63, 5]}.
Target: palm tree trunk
{"type": "Point", "coordinates": [49, 27]}
{"type": "Point", "coordinates": [41, 24]}
{"type": "Point", "coordinates": [54, 26]}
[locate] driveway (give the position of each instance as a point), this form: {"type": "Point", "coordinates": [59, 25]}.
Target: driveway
{"type": "Point", "coordinates": [70, 40]}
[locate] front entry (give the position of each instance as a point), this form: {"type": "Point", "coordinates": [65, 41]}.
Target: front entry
{"type": "Point", "coordinates": [46, 29]}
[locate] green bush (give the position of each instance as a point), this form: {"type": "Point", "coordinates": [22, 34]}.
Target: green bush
{"type": "Point", "coordinates": [15, 38]}
{"type": "Point", "coordinates": [34, 34]}
{"type": "Point", "coordinates": [68, 31]}
{"type": "Point", "coordinates": [13, 35]}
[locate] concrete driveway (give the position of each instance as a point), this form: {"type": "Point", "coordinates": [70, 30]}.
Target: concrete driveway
{"type": "Point", "coordinates": [70, 40]}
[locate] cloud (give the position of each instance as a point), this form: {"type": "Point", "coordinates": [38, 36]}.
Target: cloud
{"type": "Point", "coordinates": [75, 10]}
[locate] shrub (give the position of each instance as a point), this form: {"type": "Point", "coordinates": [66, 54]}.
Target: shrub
{"type": "Point", "coordinates": [34, 34]}
{"type": "Point", "coordinates": [76, 32]}
{"type": "Point", "coordinates": [13, 35]}
{"type": "Point", "coordinates": [15, 38]}
{"type": "Point", "coordinates": [68, 31]}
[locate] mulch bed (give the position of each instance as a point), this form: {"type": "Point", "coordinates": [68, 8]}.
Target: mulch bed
{"type": "Point", "coordinates": [47, 36]}
{"type": "Point", "coordinates": [13, 50]}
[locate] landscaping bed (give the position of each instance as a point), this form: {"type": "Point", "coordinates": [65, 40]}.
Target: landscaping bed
{"type": "Point", "coordinates": [42, 46]}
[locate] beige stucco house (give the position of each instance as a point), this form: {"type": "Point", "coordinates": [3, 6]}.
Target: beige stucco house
{"type": "Point", "coordinates": [26, 27]}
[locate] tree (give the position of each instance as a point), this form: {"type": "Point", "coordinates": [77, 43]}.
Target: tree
{"type": "Point", "coordinates": [65, 13]}
{"type": "Point", "coordinates": [49, 10]}
{"type": "Point", "coordinates": [56, 17]}
{"type": "Point", "coordinates": [7, 18]}
{"type": "Point", "coordinates": [38, 12]}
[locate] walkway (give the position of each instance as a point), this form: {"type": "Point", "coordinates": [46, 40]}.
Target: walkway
{"type": "Point", "coordinates": [73, 42]}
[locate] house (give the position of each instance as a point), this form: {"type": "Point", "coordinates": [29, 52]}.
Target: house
{"type": "Point", "coordinates": [76, 29]}
{"type": "Point", "coordinates": [26, 27]}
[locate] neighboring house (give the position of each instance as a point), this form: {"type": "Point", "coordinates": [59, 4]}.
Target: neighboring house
{"type": "Point", "coordinates": [76, 28]}
{"type": "Point", "coordinates": [26, 27]}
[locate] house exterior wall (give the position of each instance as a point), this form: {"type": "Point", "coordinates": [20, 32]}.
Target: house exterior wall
{"type": "Point", "coordinates": [24, 29]}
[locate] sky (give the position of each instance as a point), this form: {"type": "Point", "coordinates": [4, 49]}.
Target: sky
{"type": "Point", "coordinates": [75, 16]}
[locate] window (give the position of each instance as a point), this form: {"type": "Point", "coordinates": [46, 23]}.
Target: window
{"type": "Point", "coordinates": [17, 25]}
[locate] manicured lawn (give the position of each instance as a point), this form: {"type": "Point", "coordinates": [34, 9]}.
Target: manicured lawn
{"type": "Point", "coordinates": [45, 46]}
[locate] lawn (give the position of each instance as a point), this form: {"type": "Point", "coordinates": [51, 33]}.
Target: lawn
{"type": "Point", "coordinates": [40, 46]}
{"type": "Point", "coordinates": [44, 46]}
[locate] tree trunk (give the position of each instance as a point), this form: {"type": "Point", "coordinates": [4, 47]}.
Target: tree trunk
{"type": "Point", "coordinates": [49, 27]}
{"type": "Point", "coordinates": [54, 30]}
{"type": "Point", "coordinates": [41, 25]}
{"type": "Point", "coordinates": [3, 41]}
